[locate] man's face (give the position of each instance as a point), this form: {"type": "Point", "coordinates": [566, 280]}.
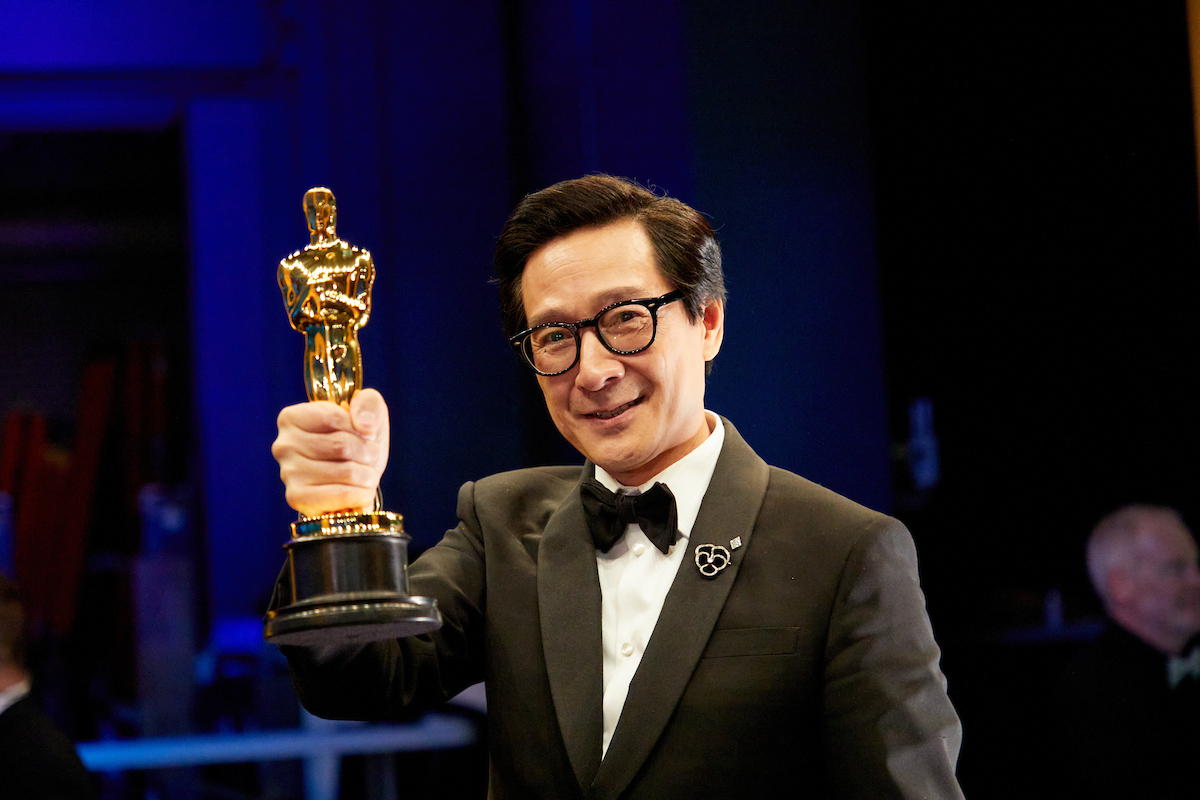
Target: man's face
{"type": "Point", "coordinates": [1166, 579]}
{"type": "Point", "coordinates": [633, 415]}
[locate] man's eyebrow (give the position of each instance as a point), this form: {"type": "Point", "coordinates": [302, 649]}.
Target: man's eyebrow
{"type": "Point", "coordinates": [620, 294]}
{"type": "Point", "coordinates": [615, 295]}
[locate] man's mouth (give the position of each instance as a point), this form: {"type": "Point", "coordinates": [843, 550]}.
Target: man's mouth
{"type": "Point", "coordinates": [616, 412]}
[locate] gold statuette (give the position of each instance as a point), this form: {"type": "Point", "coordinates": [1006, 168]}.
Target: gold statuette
{"type": "Point", "coordinates": [327, 291]}
{"type": "Point", "coordinates": [349, 569]}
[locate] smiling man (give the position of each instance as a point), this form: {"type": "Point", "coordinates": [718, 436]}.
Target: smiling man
{"type": "Point", "coordinates": [637, 414]}
{"type": "Point", "coordinates": [673, 618]}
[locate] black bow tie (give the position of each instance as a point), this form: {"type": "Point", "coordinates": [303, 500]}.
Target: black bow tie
{"type": "Point", "coordinates": [608, 514]}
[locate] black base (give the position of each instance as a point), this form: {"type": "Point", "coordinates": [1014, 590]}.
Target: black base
{"type": "Point", "coordinates": [347, 582]}
{"type": "Point", "coordinates": [352, 623]}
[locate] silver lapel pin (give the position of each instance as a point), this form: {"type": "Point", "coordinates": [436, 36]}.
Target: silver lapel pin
{"type": "Point", "coordinates": [711, 559]}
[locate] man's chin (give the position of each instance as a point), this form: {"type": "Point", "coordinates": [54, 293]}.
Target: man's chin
{"type": "Point", "coordinates": [613, 460]}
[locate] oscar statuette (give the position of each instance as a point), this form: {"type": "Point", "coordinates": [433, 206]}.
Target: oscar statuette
{"type": "Point", "coordinates": [348, 569]}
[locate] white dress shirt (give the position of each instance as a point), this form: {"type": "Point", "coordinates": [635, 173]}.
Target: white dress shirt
{"type": "Point", "coordinates": [635, 576]}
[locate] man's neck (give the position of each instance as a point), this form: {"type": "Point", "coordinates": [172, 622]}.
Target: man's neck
{"type": "Point", "coordinates": [647, 474]}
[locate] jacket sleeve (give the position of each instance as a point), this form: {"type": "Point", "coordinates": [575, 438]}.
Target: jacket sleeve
{"type": "Point", "coordinates": [382, 680]}
{"type": "Point", "coordinates": [890, 728]}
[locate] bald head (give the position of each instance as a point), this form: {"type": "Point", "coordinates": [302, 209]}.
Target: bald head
{"type": "Point", "coordinates": [1142, 561]}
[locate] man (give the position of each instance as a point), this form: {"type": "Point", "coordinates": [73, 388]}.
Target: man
{"type": "Point", "coordinates": [37, 761]}
{"type": "Point", "coordinates": [774, 643]}
{"type": "Point", "coordinates": [1131, 707]}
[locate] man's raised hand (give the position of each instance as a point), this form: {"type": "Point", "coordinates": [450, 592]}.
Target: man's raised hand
{"type": "Point", "coordinates": [331, 458]}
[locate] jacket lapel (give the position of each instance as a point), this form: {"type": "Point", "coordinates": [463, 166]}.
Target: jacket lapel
{"type": "Point", "coordinates": [569, 608]}
{"type": "Point", "coordinates": [692, 606]}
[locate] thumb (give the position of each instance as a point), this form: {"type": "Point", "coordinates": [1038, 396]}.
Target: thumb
{"type": "Point", "coordinates": [369, 414]}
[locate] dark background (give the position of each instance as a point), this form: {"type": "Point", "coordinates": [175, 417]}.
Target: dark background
{"type": "Point", "coordinates": [1034, 169]}
{"type": "Point", "coordinates": [991, 206]}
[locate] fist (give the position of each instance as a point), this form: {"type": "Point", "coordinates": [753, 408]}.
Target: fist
{"type": "Point", "coordinates": [332, 457]}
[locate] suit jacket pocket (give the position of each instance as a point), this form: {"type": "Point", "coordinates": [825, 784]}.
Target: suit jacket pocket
{"type": "Point", "coordinates": [751, 642]}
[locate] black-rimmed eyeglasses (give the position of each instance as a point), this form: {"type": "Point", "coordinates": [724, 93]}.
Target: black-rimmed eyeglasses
{"type": "Point", "coordinates": [623, 328]}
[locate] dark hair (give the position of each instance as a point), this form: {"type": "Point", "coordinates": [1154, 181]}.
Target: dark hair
{"type": "Point", "coordinates": [684, 243]}
{"type": "Point", "coordinates": [12, 624]}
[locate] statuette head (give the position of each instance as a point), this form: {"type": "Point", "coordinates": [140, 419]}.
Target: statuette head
{"type": "Point", "coordinates": [321, 209]}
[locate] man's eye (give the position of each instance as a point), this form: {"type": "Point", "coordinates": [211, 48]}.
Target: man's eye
{"type": "Point", "coordinates": [550, 337]}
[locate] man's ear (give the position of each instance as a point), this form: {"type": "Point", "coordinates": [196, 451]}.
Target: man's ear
{"type": "Point", "coordinates": [712, 317]}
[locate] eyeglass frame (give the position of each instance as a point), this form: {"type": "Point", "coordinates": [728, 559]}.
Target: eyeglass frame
{"type": "Point", "coordinates": [651, 304]}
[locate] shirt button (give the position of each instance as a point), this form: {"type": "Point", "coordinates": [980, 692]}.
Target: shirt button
{"type": "Point", "coordinates": [638, 548]}
{"type": "Point", "coordinates": [627, 649]}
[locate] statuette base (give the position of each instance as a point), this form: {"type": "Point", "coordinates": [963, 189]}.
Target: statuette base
{"type": "Point", "coordinates": [349, 582]}
{"type": "Point", "coordinates": [354, 623]}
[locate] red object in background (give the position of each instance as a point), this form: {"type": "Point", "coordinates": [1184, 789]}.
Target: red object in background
{"type": "Point", "coordinates": [53, 493]}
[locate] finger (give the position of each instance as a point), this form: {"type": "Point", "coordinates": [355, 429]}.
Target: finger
{"type": "Point", "coordinates": [337, 446]}
{"type": "Point", "coordinates": [369, 414]}
{"type": "Point", "coordinates": [314, 501]}
{"type": "Point", "coordinates": [320, 416]}
{"type": "Point", "coordinates": [303, 474]}
{"type": "Point", "coordinates": [323, 487]}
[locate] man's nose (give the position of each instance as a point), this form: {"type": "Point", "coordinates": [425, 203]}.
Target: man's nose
{"type": "Point", "coordinates": [597, 365]}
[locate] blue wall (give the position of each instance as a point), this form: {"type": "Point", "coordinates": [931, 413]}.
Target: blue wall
{"type": "Point", "coordinates": [429, 121]}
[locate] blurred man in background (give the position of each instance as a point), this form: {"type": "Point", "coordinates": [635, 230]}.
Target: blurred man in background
{"type": "Point", "coordinates": [36, 758]}
{"type": "Point", "coordinates": [1131, 699]}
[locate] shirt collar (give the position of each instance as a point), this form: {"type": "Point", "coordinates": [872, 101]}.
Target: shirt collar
{"type": "Point", "coordinates": [687, 478]}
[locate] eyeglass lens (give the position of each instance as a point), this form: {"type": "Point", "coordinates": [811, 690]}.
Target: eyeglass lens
{"type": "Point", "coordinates": [624, 329]}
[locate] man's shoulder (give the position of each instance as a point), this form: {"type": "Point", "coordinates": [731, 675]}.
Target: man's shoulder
{"type": "Point", "coordinates": [533, 477]}
{"type": "Point", "coordinates": [530, 495]}
{"type": "Point", "coordinates": [790, 487]}
{"type": "Point", "coordinates": [799, 502]}
{"type": "Point", "coordinates": [36, 757]}
{"type": "Point", "coordinates": [1116, 676]}
{"type": "Point", "coordinates": [1115, 658]}
{"type": "Point", "coordinates": [528, 484]}
{"type": "Point", "coordinates": [34, 727]}
{"type": "Point", "coordinates": [786, 488]}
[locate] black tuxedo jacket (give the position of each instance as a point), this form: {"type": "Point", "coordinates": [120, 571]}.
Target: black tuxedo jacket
{"type": "Point", "coordinates": [38, 761]}
{"type": "Point", "coordinates": [807, 668]}
{"type": "Point", "coordinates": [1127, 733]}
